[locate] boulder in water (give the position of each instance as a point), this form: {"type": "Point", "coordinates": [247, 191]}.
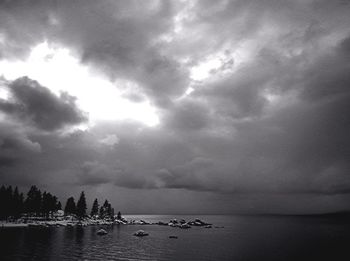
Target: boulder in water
{"type": "Point", "coordinates": [140, 233]}
{"type": "Point", "coordinates": [198, 222]}
{"type": "Point", "coordinates": [185, 226]}
{"type": "Point", "coordinates": [101, 232]}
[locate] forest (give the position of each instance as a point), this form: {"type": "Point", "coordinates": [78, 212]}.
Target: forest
{"type": "Point", "coordinates": [14, 204]}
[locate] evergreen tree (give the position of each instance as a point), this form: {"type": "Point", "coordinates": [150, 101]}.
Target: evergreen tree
{"type": "Point", "coordinates": [119, 215]}
{"type": "Point", "coordinates": [45, 204]}
{"type": "Point", "coordinates": [106, 210]}
{"type": "Point", "coordinates": [33, 202]}
{"type": "Point", "coordinates": [17, 202]}
{"type": "Point", "coordinates": [102, 212]}
{"type": "Point", "coordinates": [94, 209]}
{"type": "Point", "coordinates": [21, 203]}
{"type": "Point", "coordinates": [13, 205]}
{"type": "Point", "coordinates": [70, 207]}
{"type": "Point", "coordinates": [81, 205]}
{"type": "Point", "coordinates": [8, 202]}
{"type": "Point", "coordinates": [59, 206]}
{"type": "Point", "coordinates": [2, 202]}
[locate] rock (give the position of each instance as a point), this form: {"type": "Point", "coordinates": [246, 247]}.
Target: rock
{"type": "Point", "coordinates": [120, 222]}
{"type": "Point", "coordinates": [175, 237]}
{"type": "Point", "coordinates": [101, 232]}
{"type": "Point", "coordinates": [207, 226]}
{"type": "Point", "coordinates": [185, 226]}
{"type": "Point", "coordinates": [171, 224]}
{"type": "Point", "coordinates": [140, 233]}
{"type": "Point", "coordinates": [199, 223]}
{"type": "Point", "coordinates": [141, 222]}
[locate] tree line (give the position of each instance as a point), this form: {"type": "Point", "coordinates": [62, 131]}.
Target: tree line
{"type": "Point", "coordinates": [14, 204]}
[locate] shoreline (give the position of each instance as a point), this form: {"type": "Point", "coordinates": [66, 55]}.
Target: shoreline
{"type": "Point", "coordinates": [182, 224]}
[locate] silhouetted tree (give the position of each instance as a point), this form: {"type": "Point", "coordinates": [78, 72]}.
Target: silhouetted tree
{"type": "Point", "coordinates": [119, 215]}
{"type": "Point", "coordinates": [2, 202]}
{"type": "Point", "coordinates": [13, 205]}
{"type": "Point", "coordinates": [70, 207]}
{"type": "Point", "coordinates": [7, 208]}
{"type": "Point", "coordinates": [17, 204]}
{"type": "Point", "coordinates": [106, 210]}
{"type": "Point", "coordinates": [33, 201]}
{"type": "Point", "coordinates": [49, 204]}
{"type": "Point", "coordinates": [94, 209]}
{"type": "Point", "coordinates": [59, 206]}
{"type": "Point", "coordinates": [81, 205]}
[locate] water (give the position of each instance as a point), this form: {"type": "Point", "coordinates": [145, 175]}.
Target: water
{"type": "Point", "coordinates": [242, 238]}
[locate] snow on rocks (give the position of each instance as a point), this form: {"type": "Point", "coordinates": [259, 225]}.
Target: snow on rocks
{"type": "Point", "coordinates": [140, 233]}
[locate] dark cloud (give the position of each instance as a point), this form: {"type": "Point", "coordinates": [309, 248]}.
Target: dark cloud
{"type": "Point", "coordinates": [15, 144]}
{"type": "Point", "coordinates": [267, 131]}
{"type": "Point", "coordinates": [94, 173]}
{"type": "Point", "coordinates": [187, 115]}
{"type": "Point", "coordinates": [40, 106]}
{"type": "Point", "coordinates": [120, 39]}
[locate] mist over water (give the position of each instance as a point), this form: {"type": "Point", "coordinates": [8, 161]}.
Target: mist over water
{"type": "Point", "coordinates": [241, 238]}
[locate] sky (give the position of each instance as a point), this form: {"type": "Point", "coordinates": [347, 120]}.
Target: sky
{"type": "Point", "coordinates": [188, 107]}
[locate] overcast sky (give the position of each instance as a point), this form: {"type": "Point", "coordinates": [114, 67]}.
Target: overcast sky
{"type": "Point", "coordinates": [178, 106]}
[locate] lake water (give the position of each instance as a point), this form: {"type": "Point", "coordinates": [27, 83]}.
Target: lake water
{"type": "Point", "coordinates": [242, 238]}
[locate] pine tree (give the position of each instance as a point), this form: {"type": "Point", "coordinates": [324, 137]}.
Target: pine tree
{"type": "Point", "coordinates": [45, 204]}
{"type": "Point", "coordinates": [102, 212]}
{"type": "Point", "coordinates": [8, 202]}
{"type": "Point", "coordinates": [17, 202]}
{"type": "Point", "coordinates": [81, 205]}
{"type": "Point", "coordinates": [2, 202]}
{"type": "Point", "coordinates": [119, 215]}
{"type": "Point", "coordinates": [59, 206]}
{"type": "Point", "coordinates": [70, 207]}
{"type": "Point", "coordinates": [94, 209]}
{"type": "Point", "coordinates": [33, 202]}
{"type": "Point", "coordinates": [106, 210]}
{"type": "Point", "coordinates": [21, 203]}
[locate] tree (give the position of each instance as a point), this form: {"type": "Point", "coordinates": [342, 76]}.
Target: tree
{"type": "Point", "coordinates": [33, 201]}
{"type": "Point", "coordinates": [102, 212]}
{"type": "Point", "coordinates": [9, 201]}
{"type": "Point", "coordinates": [119, 215]}
{"type": "Point", "coordinates": [58, 206]}
{"type": "Point", "coordinates": [45, 204]}
{"type": "Point", "coordinates": [81, 205]}
{"type": "Point", "coordinates": [94, 209]}
{"type": "Point", "coordinates": [3, 202]}
{"type": "Point", "coordinates": [49, 204]}
{"type": "Point", "coordinates": [70, 207]}
{"type": "Point", "coordinates": [6, 200]}
{"type": "Point", "coordinates": [17, 202]}
{"type": "Point", "coordinates": [106, 210]}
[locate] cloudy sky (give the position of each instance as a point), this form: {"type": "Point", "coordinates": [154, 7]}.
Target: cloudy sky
{"type": "Point", "coordinates": [179, 106]}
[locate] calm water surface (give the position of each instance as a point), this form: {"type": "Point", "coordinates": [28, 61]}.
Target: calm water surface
{"type": "Point", "coordinates": [242, 238]}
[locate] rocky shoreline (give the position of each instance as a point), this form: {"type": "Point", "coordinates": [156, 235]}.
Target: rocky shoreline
{"type": "Point", "coordinates": [71, 222]}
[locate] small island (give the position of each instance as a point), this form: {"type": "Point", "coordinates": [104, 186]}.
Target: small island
{"type": "Point", "coordinates": [45, 210]}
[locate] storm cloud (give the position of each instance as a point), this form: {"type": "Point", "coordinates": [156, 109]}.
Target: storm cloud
{"type": "Point", "coordinates": [251, 96]}
{"type": "Point", "coordinates": [37, 104]}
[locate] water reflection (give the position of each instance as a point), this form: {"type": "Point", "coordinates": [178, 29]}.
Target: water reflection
{"type": "Point", "coordinates": [242, 238]}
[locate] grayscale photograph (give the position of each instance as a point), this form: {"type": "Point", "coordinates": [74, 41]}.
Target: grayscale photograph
{"type": "Point", "coordinates": [175, 130]}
